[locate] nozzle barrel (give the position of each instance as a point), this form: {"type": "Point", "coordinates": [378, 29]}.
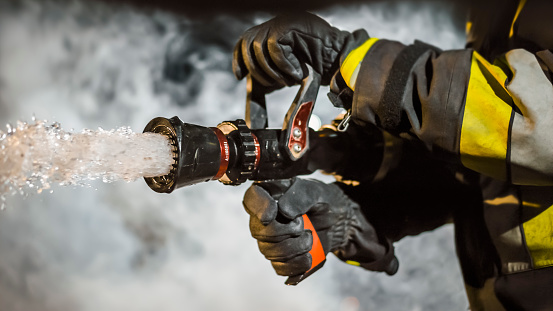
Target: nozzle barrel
{"type": "Point", "coordinates": [196, 151]}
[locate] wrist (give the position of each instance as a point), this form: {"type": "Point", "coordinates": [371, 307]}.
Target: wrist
{"type": "Point", "coordinates": [387, 263]}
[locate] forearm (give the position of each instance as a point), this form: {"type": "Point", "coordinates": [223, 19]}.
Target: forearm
{"type": "Point", "coordinates": [462, 108]}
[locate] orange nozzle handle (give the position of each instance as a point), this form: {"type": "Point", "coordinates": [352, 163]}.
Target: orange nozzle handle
{"type": "Point", "coordinates": [317, 252]}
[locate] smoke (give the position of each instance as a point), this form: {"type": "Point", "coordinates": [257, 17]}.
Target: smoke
{"type": "Point", "coordinates": [122, 246]}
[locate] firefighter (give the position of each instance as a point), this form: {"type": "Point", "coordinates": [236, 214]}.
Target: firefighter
{"type": "Point", "coordinates": [476, 149]}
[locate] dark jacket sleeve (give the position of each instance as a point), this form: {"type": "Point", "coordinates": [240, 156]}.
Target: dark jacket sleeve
{"type": "Point", "coordinates": [416, 195]}
{"type": "Point", "coordinates": [491, 118]}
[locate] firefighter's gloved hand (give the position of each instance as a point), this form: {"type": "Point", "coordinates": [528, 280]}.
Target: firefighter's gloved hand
{"type": "Point", "coordinates": [276, 210]}
{"type": "Point", "coordinates": [275, 52]}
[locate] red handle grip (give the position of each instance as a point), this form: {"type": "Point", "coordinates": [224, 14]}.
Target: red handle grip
{"type": "Point", "coordinates": [318, 257]}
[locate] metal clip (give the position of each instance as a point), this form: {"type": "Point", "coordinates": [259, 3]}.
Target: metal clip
{"type": "Point", "coordinates": [344, 124]}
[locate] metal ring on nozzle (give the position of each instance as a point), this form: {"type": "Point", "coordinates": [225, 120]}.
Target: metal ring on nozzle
{"type": "Point", "coordinates": [165, 183]}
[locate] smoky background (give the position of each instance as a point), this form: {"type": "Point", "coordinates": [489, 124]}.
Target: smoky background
{"type": "Point", "coordinates": [89, 64]}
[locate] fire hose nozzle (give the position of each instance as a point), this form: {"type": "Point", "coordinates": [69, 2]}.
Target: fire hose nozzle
{"type": "Point", "coordinates": [233, 153]}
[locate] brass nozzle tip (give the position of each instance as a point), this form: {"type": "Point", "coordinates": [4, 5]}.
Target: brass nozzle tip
{"type": "Point", "coordinates": [164, 183]}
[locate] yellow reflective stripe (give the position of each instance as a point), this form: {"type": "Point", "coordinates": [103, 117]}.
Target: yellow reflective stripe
{"type": "Point", "coordinates": [483, 143]}
{"type": "Point", "coordinates": [468, 27]}
{"type": "Point", "coordinates": [519, 8]}
{"type": "Point", "coordinates": [495, 71]}
{"type": "Point", "coordinates": [538, 232]}
{"type": "Point", "coordinates": [349, 68]}
{"type": "Point", "coordinates": [353, 263]}
{"type": "Point", "coordinates": [510, 199]}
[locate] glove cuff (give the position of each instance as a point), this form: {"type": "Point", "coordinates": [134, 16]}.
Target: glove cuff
{"type": "Point", "coordinates": [388, 263]}
{"type": "Point", "coordinates": [362, 246]}
{"type": "Point", "coordinates": [352, 53]}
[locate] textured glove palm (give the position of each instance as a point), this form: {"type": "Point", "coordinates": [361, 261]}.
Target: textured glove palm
{"type": "Point", "coordinates": [275, 52]}
{"type": "Point", "coordinates": [276, 208]}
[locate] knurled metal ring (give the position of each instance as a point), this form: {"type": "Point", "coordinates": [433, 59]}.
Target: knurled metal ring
{"type": "Point", "coordinates": [243, 136]}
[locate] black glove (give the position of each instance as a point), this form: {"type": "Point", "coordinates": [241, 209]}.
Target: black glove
{"type": "Point", "coordinates": [275, 52]}
{"type": "Point", "coordinates": [276, 210]}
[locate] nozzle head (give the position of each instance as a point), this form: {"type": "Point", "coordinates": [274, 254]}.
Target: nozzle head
{"type": "Point", "coordinates": [165, 183]}
{"type": "Point", "coordinates": [196, 154]}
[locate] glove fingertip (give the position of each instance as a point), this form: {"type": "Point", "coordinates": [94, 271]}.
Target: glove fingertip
{"type": "Point", "coordinates": [361, 35]}
{"type": "Point", "coordinates": [392, 267]}
{"type": "Point", "coordinates": [269, 214]}
{"type": "Point", "coordinates": [239, 72]}
{"type": "Point", "coordinates": [295, 266]}
{"type": "Point", "coordinates": [298, 75]}
{"type": "Point", "coordinates": [238, 67]}
{"type": "Point", "coordinates": [259, 203]}
{"type": "Point", "coordinates": [283, 58]}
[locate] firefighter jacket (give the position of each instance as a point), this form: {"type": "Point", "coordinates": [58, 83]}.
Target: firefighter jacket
{"type": "Point", "coordinates": [477, 131]}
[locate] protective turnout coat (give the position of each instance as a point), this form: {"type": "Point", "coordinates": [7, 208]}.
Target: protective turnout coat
{"type": "Point", "coordinates": [477, 131]}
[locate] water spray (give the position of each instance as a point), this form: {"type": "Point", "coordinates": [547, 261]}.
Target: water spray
{"type": "Point", "coordinates": [34, 156]}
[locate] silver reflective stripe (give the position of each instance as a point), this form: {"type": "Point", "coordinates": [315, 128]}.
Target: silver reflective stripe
{"type": "Point", "coordinates": [532, 132]}
{"type": "Point", "coordinates": [503, 222]}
